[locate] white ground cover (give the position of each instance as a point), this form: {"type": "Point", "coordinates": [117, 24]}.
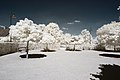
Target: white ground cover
{"type": "Point", "coordinates": [60, 65]}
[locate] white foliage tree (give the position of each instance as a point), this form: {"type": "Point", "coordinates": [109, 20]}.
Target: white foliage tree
{"type": "Point", "coordinates": [25, 30]}
{"type": "Point", "coordinates": [48, 42]}
{"type": "Point", "coordinates": [52, 37]}
{"type": "Point", "coordinates": [108, 35]}
{"type": "Point", "coordinates": [67, 38]}
{"type": "Point", "coordinates": [76, 42]}
{"type": "Point", "coordinates": [87, 37]}
{"type": "Point", "coordinates": [70, 39]}
{"type": "Point", "coordinates": [54, 30]}
{"type": "Point", "coordinates": [79, 42]}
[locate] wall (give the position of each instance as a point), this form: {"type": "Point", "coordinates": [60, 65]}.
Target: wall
{"type": "Point", "coordinates": [8, 47]}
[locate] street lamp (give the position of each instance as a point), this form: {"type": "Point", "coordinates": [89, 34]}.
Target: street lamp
{"type": "Point", "coordinates": [12, 16]}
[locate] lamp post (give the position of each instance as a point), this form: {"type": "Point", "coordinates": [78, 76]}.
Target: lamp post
{"type": "Point", "coordinates": [12, 16]}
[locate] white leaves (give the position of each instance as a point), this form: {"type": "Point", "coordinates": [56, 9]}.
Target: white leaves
{"type": "Point", "coordinates": [113, 27]}
{"type": "Point", "coordinates": [86, 36]}
{"type": "Point", "coordinates": [47, 38]}
{"type": "Point", "coordinates": [109, 33]}
{"type": "Point", "coordinates": [82, 39]}
{"type": "Point", "coordinates": [24, 30]}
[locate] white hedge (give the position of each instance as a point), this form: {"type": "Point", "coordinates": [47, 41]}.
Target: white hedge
{"type": "Point", "coordinates": [49, 46]}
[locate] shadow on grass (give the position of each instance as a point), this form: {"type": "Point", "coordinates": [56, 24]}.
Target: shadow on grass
{"type": "Point", "coordinates": [34, 56]}
{"type": "Point", "coordinates": [110, 55]}
{"type": "Point", "coordinates": [71, 50]}
{"type": "Point", "coordinates": [48, 50]}
{"type": "Point", "coordinates": [117, 51]}
{"type": "Point", "coordinates": [108, 72]}
{"type": "Point", "coordinates": [112, 50]}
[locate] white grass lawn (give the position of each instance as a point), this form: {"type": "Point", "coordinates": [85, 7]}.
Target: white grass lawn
{"type": "Point", "coordinates": [60, 65]}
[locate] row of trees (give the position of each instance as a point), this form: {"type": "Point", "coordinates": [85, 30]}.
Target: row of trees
{"type": "Point", "coordinates": [51, 34]}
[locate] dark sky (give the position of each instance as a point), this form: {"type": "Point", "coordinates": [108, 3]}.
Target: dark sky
{"type": "Point", "coordinates": [92, 14]}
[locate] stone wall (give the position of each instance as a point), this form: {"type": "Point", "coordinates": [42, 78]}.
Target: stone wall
{"type": "Point", "coordinates": [8, 47]}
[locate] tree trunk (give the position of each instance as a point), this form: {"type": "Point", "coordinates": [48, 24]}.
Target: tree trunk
{"type": "Point", "coordinates": [74, 48]}
{"type": "Point", "coordinates": [27, 49]}
{"type": "Point", "coordinates": [114, 48]}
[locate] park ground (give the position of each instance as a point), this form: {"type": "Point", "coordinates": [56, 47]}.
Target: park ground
{"type": "Point", "coordinates": [59, 65]}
